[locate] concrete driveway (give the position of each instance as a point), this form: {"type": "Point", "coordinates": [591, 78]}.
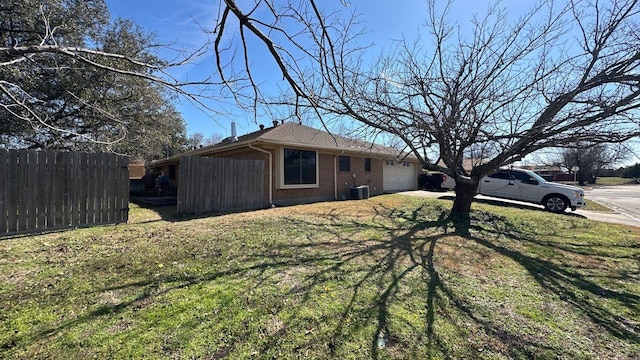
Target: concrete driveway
{"type": "Point", "coordinates": [624, 201]}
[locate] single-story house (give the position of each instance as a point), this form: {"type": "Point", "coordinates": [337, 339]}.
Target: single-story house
{"type": "Point", "coordinates": [303, 164]}
{"type": "Point", "coordinates": [136, 174]}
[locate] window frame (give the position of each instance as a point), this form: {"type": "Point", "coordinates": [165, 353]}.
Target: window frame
{"type": "Point", "coordinates": [282, 181]}
{"type": "Point", "coordinates": [342, 161]}
{"type": "Point", "coordinates": [367, 164]}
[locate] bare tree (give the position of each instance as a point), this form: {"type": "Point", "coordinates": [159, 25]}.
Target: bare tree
{"type": "Point", "coordinates": [592, 158]}
{"type": "Point", "coordinates": [198, 139]}
{"type": "Point", "coordinates": [502, 90]}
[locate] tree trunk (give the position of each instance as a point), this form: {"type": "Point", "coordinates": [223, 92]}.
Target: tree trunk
{"type": "Point", "coordinates": [465, 192]}
{"type": "Point", "coordinates": [581, 177]}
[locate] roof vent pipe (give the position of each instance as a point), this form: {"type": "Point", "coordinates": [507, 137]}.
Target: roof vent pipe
{"type": "Point", "coordinates": [234, 135]}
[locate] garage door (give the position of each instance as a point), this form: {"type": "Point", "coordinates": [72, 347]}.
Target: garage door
{"type": "Point", "coordinates": [399, 176]}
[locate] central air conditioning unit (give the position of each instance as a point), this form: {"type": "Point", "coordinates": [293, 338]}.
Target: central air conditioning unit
{"type": "Point", "coordinates": [360, 192]}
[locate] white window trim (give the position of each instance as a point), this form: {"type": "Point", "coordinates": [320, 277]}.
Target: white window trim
{"type": "Point", "coordinates": [280, 172]}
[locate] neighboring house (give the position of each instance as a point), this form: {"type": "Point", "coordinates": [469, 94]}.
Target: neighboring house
{"type": "Point", "coordinates": [555, 172]}
{"type": "Point", "coordinates": [303, 164]}
{"type": "Point", "coordinates": [136, 174]}
{"type": "Point", "coordinates": [467, 164]}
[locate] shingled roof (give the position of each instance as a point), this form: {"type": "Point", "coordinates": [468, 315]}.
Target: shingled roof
{"type": "Point", "coordinates": [301, 136]}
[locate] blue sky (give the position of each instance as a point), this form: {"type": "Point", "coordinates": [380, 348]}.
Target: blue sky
{"type": "Point", "coordinates": [179, 22]}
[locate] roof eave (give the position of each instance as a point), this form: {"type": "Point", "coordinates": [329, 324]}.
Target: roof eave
{"type": "Point", "coordinates": [201, 152]}
{"type": "Point", "coordinates": [213, 150]}
{"type": "Point", "coordinates": [360, 151]}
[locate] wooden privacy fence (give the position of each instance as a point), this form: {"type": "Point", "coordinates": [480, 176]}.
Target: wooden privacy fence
{"type": "Point", "coordinates": [45, 190]}
{"type": "Point", "coordinates": [217, 184]}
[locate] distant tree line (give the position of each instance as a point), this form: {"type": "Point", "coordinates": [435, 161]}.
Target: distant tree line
{"type": "Point", "coordinates": [632, 171]}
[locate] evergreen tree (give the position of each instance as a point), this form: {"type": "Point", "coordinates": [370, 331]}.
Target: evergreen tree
{"type": "Point", "coordinates": [73, 80]}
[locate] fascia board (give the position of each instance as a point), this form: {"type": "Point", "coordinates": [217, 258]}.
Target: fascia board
{"type": "Point", "coordinates": [329, 149]}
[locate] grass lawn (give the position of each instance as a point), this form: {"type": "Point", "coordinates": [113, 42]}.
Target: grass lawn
{"type": "Point", "coordinates": [595, 206]}
{"type": "Point", "coordinates": [390, 277]}
{"type": "Point", "coordinates": [615, 181]}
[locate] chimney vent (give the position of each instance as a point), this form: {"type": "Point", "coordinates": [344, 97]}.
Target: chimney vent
{"type": "Point", "coordinates": [234, 135]}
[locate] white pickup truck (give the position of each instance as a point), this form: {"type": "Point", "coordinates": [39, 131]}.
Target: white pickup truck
{"type": "Point", "coordinates": [527, 186]}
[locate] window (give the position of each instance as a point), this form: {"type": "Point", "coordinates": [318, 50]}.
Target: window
{"type": "Point", "coordinates": [524, 178]}
{"type": "Point", "coordinates": [299, 167]}
{"type": "Point", "coordinates": [390, 162]}
{"type": "Point", "coordinates": [367, 164]}
{"type": "Point", "coordinates": [504, 175]}
{"type": "Point", "coordinates": [344, 163]}
{"type": "Point", "coordinates": [406, 164]}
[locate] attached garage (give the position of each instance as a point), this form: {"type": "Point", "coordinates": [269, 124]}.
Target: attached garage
{"type": "Point", "coordinates": [399, 176]}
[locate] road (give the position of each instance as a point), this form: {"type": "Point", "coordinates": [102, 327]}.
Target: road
{"type": "Point", "coordinates": [624, 200]}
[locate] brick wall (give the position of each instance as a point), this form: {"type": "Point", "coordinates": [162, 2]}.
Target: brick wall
{"type": "Point", "coordinates": [371, 178]}
{"type": "Point", "coordinates": [324, 192]}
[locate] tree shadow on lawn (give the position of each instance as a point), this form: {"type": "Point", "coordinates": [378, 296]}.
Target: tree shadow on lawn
{"type": "Point", "coordinates": [169, 213]}
{"type": "Point", "coordinates": [569, 280]}
{"type": "Point", "coordinates": [559, 278]}
{"type": "Point", "coordinates": [408, 249]}
{"type": "Point", "coordinates": [336, 248]}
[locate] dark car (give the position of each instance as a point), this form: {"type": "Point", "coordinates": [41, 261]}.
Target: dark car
{"type": "Point", "coordinates": [434, 181]}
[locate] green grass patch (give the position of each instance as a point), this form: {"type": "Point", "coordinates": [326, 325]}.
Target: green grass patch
{"type": "Point", "coordinates": [390, 277]}
{"type": "Point", "coordinates": [612, 180]}
{"type": "Point", "coordinates": [595, 206]}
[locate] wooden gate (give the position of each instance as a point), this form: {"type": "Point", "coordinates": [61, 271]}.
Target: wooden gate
{"type": "Point", "coordinates": [217, 184]}
{"type": "Point", "coordinates": [45, 190]}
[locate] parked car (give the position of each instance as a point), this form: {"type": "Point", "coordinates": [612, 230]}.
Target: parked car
{"type": "Point", "coordinates": [435, 180]}
{"type": "Point", "coordinates": [527, 186]}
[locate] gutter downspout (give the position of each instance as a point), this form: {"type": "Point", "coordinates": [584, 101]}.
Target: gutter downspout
{"type": "Point", "coordinates": [335, 177]}
{"type": "Point", "coordinates": [270, 171]}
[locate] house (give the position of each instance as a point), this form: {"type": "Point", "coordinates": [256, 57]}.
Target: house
{"type": "Point", "coordinates": [303, 164]}
{"type": "Point", "coordinates": [554, 172]}
{"type": "Point", "coordinates": [136, 175]}
{"type": "Point", "coordinates": [467, 164]}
